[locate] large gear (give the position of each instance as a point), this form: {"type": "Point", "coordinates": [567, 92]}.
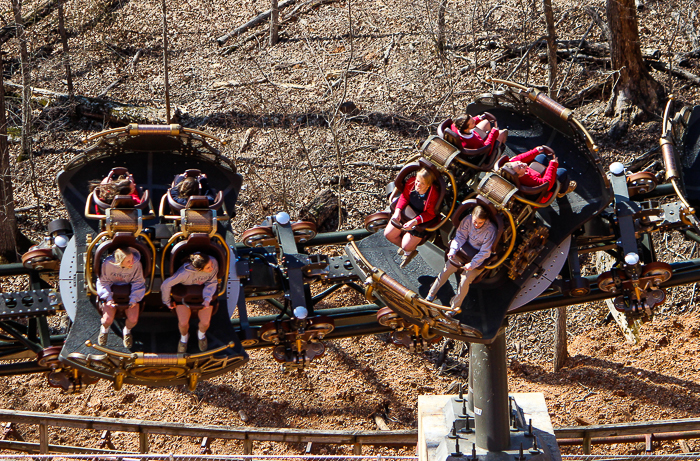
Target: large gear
{"type": "Point", "coordinates": [527, 251]}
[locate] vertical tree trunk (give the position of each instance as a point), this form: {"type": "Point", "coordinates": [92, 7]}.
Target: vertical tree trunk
{"type": "Point", "coordinates": [66, 53]}
{"type": "Point", "coordinates": [561, 352]}
{"type": "Point", "coordinates": [166, 81]}
{"type": "Point", "coordinates": [26, 79]}
{"type": "Point", "coordinates": [442, 5]}
{"type": "Point", "coordinates": [551, 45]}
{"type": "Point", "coordinates": [8, 223]}
{"type": "Point", "coordinates": [274, 21]}
{"type": "Point", "coordinates": [636, 86]}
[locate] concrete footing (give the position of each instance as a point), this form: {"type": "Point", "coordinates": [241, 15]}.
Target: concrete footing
{"type": "Point", "coordinates": [446, 430]}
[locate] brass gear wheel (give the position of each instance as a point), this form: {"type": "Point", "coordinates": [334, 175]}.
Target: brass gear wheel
{"type": "Point", "coordinates": [527, 251]}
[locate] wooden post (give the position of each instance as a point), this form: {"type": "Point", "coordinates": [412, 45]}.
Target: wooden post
{"type": "Point", "coordinates": [247, 446]}
{"type": "Point", "coordinates": [357, 449]}
{"type": "Point", "coordinates": [43, 438]}
{"type": "Point", "coordinates": [274, 22]}
{"type": "Point", "coordinates": [561, 352]}
{"type": "Point", "coordinates": [587, 443]}
{"type": "Point", "coordinates": [143, 441]}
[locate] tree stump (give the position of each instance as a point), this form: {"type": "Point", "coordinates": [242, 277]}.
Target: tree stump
{"type": "Point", "coordinates": [321, 209]}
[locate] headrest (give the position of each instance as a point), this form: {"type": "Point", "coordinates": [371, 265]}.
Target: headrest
{"type": "Point", "coordinates": [197, 201]}
{"type": "Point", "coordinates": [114, 173]}
{"type": "Point", "coordinates": [123, 201]}
{"type": "Point", "coordinates": [445, 125]}
{"type": "Point", "coordinates": [193, 173]}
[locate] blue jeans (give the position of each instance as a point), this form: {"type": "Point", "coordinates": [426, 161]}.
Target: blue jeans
{"type": "Point", "coordinates": [562, 174]}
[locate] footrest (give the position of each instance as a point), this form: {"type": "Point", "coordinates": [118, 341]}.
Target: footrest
{"type": "Point", "coordinates": [24, 304]}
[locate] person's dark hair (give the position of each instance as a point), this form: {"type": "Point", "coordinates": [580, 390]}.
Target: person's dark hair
{"type": "Point", "coordinates": [123, 186]}
{"type": "Point", "coordinates": [189, 186]}
{"type": "Point", "coordinates": [106, 192]}
{"type": "Point", "coordinates": [199, 260]}
{"type": "Point", "coordinates": [480, 212]}
{"type": "Point", "coordinates": [461, 121]}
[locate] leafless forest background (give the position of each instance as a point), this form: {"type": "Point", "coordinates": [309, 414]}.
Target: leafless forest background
{"type": "Point", "coordinates": [349, 91]}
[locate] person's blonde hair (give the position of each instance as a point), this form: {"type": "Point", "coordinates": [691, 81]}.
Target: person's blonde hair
{"type": "Point", "coordinates": [427, 175]}
{"type": "Point", "coordinates": [120, 255]}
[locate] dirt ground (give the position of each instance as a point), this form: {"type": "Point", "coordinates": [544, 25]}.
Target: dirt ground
{"type": "Point", "coordinates": [284, 101]}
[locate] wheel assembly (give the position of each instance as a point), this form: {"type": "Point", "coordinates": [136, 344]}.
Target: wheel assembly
{"type": "Point", "coordinates": [660, 272]}
{"type": "Point", "coordinates": [303, 231]}
{"type": "Point", "coordinates": [606, 281]}
{"type": "Point", "coordinates": [377, 221]}
{"type": "Point", "coordinates": [641, 183]}
{"type": "Point", "coordinates": [388, 318]}
{"type": "Point", "coordinates": [258, 236]}
{"type": "Point", "coordinates": [40, 259]}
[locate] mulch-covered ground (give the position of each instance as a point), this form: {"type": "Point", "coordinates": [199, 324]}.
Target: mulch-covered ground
{"type": "Point", "coordinates": [283, 100]}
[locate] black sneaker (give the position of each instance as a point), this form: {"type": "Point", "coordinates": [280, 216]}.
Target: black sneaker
{"type": "Point", "coordinates": [128, 341]}
{"type": "Point", "coordinates": [102, 339]}
{"type": "Point", "coordinates": [181, 347]}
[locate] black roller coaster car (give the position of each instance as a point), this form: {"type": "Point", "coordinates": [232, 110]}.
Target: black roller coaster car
{"type": "Point", "coordinates": [534, 264]}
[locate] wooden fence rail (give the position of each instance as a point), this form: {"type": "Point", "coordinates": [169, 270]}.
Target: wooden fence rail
{"type": "Point", "coordinates": [248, 435]}
{"type": "Point", "coordinates": [145, 428]}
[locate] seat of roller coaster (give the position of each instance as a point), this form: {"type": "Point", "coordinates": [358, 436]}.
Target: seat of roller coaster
{"type": "Point", "coordinates": [192, 297]}
{"type": "Point", "coordinates": [121, 201]}
{"type": "Point", "coordinates": [196, 242]}
{"type": "Point", "coordinates": [175, 207]}
{"type": "Point", "coordinates": [509, 174]}
{"type": "Point", "coordinates": [409, 170]}
{"type": "Point", "coordinates": [113, 175]}
{"type": "Point", "coordinates": [123, 240]}
{"type": "Point", "coordinates": [463, 211]}
{"type": "Point", "coordinates": [488, 152]}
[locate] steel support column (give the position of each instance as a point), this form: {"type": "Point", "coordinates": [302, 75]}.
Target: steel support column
{"type": "Point", "coordinates": [490, 380]}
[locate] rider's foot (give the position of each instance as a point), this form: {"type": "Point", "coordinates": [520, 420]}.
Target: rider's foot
{"type": "Point", "coordinates": [406, 258]}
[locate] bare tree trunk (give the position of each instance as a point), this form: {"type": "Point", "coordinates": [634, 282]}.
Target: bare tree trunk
{"type": "Point", "coordinates": [274, 22]}
{"type": "Point", "coordinates": [560, 341]}
{"type": "Point", "coordinates": [551, 45]}
{"type": "Point", "coordinates": [166, 81]}
{"type": "Point", "coordinates": [66, 53]}
{"type": "Point", "coordinates": [26, 79]}
{"type": "Point", "coordinates": [635, 87]}
{"type": "Point", "coordinates": [8, 223]}
{"type": "Point", "coordinates": [442, 5]}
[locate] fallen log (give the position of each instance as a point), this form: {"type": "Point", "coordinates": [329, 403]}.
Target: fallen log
{"type": "Point", "coordinates": [585, 93]}
{"type": "Point", "coordinates": [252, 23]}
{"type": "Point", "coordinates": [676, 72]}
{"type": "Point", "coordinates": [96, 108]}
{"type": "Point", "coordinates": [292, 16]}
